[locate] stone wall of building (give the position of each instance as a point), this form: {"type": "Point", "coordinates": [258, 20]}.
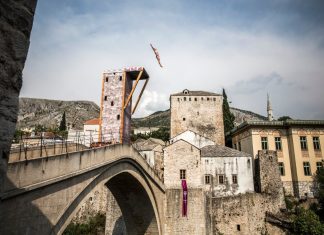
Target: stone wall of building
{"type": "Point", "coordinates": [242, 214]}
{"type": "Point", "coordinates": [288, 188]}
{"type": "Point", "coordinates": [194, 222]}
{"type": "Point", "coordinates": [182, 155]}
{"type": "Point", "coordinates": [201, 114]}
{"type": "Point", "coordinates": [267, 177]}
{"type": "Point", "coordinates": [112, 99]}
{"type": "Point", "coordinates": [16, 20]}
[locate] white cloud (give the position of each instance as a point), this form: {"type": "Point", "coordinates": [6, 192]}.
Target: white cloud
{"type": "Point", "coordinates": [69, 52]}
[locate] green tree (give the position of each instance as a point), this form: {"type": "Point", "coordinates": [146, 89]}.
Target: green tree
{"type": "Point", "coordinates": [306, 222]}
{"type": "Point", "coordinates": [62, 126]}
{"type": "Point", "coordinates": [228, 117]}
{"type": "Point", "coordinates": [319, 181]}
{"type": "Point", "coordinates": [284, 118]}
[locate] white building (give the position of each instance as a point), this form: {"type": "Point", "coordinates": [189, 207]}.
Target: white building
{"type": "Point", "coordinates": [227, 171]}
{"type": "Point", "coordinates": [151, 150]}
{"type": "Point", "coordinates": [218, 169]}
{"type": "Point", "coordinates": [193, 138]}
{"type": "Point", "coordinates": [88, 136]}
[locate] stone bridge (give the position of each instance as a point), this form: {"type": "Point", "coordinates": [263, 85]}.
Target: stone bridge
{"type": "Point", "coordinates": [42, 195]}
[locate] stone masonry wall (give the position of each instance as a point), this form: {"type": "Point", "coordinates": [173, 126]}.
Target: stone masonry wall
{"type": "Point", "coordinates": [242, 214]}
{"type": "Point", "coordinates": [16, 20]}
{"type": "Point", "coordinates": [203, 116]}
{"type": "Point", "coordinates": [112, 106]}
{"type": "Point", "coordinates": [195, 222]}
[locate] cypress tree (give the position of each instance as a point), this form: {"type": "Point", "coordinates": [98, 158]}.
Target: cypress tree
{"type": "Point", "coordinates": [62, 126]}
{"type": "Point", "coordinates": [228, 117]}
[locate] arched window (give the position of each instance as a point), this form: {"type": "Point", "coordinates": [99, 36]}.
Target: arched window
{"type": "Point", "coordinates": [105, 98]}
{"type": "Point", "coordinates": [112, 103]}
{"type": "Point", "coordinates": [120, 78]}
{"type": "Point", "coordinates": [107, 79]}
{"type": "Point", "coordinates": [118, 117]}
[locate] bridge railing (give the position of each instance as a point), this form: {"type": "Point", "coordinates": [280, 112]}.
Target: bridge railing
{"type": "Point", "coordinates": [42, 146]}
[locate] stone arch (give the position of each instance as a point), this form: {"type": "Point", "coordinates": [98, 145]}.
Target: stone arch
{"type": "Point", "coordinates": [130, 185]}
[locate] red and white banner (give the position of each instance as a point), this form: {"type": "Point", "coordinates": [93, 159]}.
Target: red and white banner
{"type": "Point", "coordinates": [184, 198]}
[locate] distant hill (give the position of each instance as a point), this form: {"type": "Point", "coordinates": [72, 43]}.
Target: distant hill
{"type": "Point", "coordinates": [162, 118]}
{"type": "Point", "coordinates": [49, 112]}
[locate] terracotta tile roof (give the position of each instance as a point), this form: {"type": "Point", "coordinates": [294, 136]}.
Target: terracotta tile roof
{"type": "Point", "coordinates": [94, 121]}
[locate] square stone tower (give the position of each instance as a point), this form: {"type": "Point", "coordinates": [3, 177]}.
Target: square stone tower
{"type": "Point", "coordinates": [198, 111]}
{"type": "Point", "coordinates": [116, 103]}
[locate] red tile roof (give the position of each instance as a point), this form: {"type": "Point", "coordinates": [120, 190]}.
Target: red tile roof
{"type": "Point", "coordinates": [94, 121]}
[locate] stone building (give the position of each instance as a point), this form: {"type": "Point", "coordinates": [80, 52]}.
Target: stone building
{"type": "Point", "coordinates": [198, 111]}
{"type": "Point", "coordinates": [151, 150]}
{"type": "Point", "coordinates": [298, 146]}
{"type": "Point", "coordinates": [116, 103]}
{"type": "Point", "coordinates": [217, 169]}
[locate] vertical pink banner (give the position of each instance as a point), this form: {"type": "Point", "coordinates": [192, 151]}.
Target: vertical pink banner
{"type": "Point", "coordinates": [184, 198]}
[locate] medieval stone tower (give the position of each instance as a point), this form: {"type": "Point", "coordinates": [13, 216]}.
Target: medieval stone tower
{"type": "Point", "coordinates": [198, 111]}
{"type": "Point", "coordinates": [116, 103]}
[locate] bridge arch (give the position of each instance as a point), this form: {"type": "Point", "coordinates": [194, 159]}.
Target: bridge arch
{"type": "Point", "coordinates": [133, 192]}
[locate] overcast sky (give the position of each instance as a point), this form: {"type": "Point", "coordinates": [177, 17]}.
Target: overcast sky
{"type": "Point", "coordinates": [247, 47]}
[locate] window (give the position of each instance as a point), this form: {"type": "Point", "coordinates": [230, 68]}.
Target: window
{"type": "Point", "coordinates": [120, 78]}
{"type": "Point", "coordinates": [207, 179]}
{"type": "Point", "coordinates": [221, 179]}
{"type": "Point", "coordinates": [238, 227]}
{"type": "Point", "coordinates": [107, 79]}
{"type": "Point", "coordinates": [239, 146]}
{"type": "Point", "coordinates": [195, 98]}
{"type": "Point", "coordinates": [178, 99]}
{"type": "Point", "coordinates": [234, 179]}
{"type": "Point", "coordinates": [183, 119]}
{"type": "Point", "coordinates": [281, 168]}
{"type": "Point", "coordinates": [235, 146]}
{"type": "Point", "coordinates": [264, 143]}
{"type": "Point", "coordinates": [112, 103]}
{"type": "Point", "coordinates": [184, 98]}
{"type": "Point", "coordinates": [303, 142]}
{"type": "Point", "coordinates": [189, 99]}
{"type": "Point", "coordinates": [278, 143]}
{"type": "Point", "coordinates": [207, 98]}
{"type": "Point", "coordinates": [307, 170]}
{"type": "Point", "coordinates": [182, 174]}
{"type": "Point", "coordinates": [316, 143]}
{"type": "Point", "coordinates": [202, 98]}
{"type": "Point", "coordinates": [214, 99]}
{"type": "Point", "coordinates": [319, 165]}
{"type": "Point", "coordinates": [118, 117]}
{"type": "Point", "coordinates": [106, 98]}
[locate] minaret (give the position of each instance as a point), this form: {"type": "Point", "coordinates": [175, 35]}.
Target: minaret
{"type": "Point", "coordinates": [269, 109]}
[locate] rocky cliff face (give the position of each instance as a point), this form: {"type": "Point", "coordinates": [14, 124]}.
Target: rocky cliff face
{"type": "Point", "coordinates": [49, 112]}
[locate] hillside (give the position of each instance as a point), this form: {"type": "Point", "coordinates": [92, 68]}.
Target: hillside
{"type": "Point", "coordinates": [162, 118]}
{"type": "Point", "coordinates": [49, 112]}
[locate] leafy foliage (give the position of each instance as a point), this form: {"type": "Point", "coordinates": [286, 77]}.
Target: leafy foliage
{"type": "Point", "coordinates": [319, 180]}
{"type": "Point", "coordinates": [284, 118]}
{"type": "Point", "coordinates": [306, 222]}
{"type": "Point", "coordinates": [228, 117]}
{"type": "Point", "coordinates": [162, 133]}
{"type": "Point", "coordinates": [94, 226]}
{"type": "Point", "coordinates": [62, 126]}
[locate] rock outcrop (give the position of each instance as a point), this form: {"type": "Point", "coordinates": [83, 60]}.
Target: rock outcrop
{"type": "Point", "coordinates": [16, 20]}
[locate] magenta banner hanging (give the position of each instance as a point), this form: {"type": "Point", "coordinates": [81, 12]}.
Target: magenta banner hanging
{"type": "Point", "coordinates": [184, 197]}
